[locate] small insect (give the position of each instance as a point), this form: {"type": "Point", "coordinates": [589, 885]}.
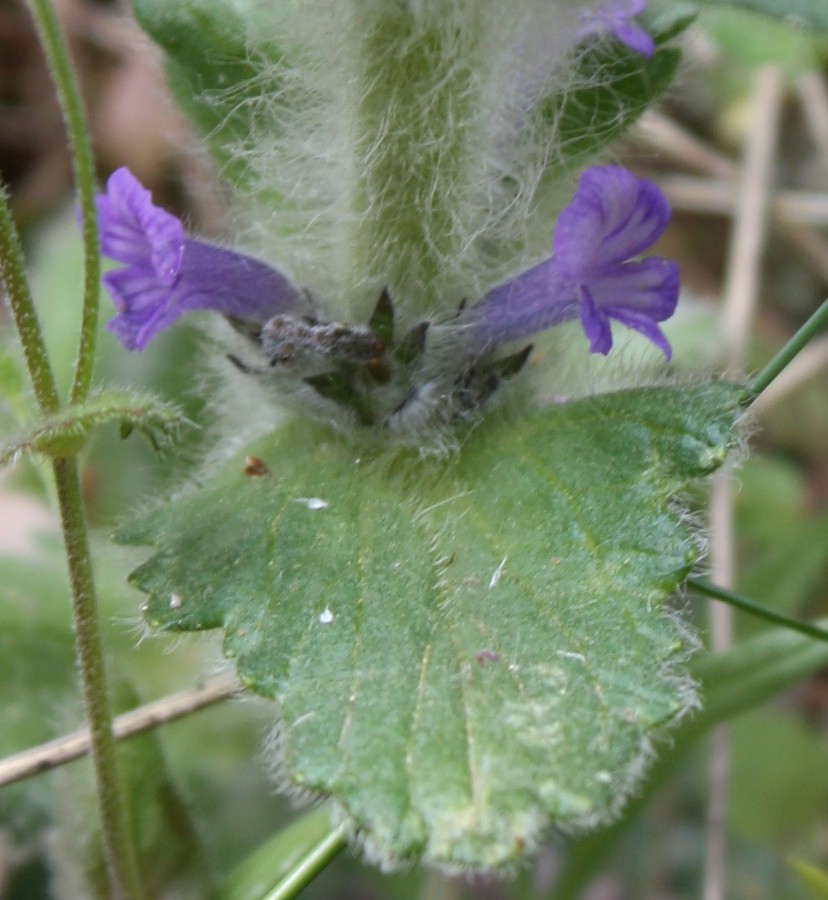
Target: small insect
{"type": "Point", "coordinates": [302, 344]}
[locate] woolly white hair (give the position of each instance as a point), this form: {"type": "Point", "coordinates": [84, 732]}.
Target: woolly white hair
{"type": "Point", "coordinates": [406, 144]}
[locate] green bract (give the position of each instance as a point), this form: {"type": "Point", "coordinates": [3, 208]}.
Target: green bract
{"type": "Point", "coordinates": [463, 652]}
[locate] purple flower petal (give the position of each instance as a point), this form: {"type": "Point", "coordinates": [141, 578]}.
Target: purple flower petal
{"type": "Point", "coordinates": [167, 274]}
{"type": "Point", "coordinates": [638, 296]}
{"type": "Point", "coordinates": [595, 324]}
{"type": "Point", "coordinates": [135, 231]}
{"type": "Point", "coordinates": [643, 324]}
{"type": "Point", "coordinates": [614, 18]}
{"type": "Point", "coordinates": [612, 217]}
{"type": "Point", "coordinates": [650, 286]}
{"type": "Point", "coordinates": [634, 36]}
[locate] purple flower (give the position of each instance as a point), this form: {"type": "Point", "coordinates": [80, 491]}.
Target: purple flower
{"type": "Point", "coordinates": [616, 17]}
{"type": "Point", "coordinates": [167, 274]}
{"type": "Point", "coordinates": [613, 217]}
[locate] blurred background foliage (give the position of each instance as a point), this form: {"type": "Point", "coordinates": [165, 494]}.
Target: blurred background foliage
{"type": "Point", "coordinates": [201, 799]}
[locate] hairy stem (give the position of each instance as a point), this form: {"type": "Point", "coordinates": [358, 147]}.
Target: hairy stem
{"type": "Point", "coordinates": [60, 65]}
{"type": "Point", "coordinates": [120, 854]}
{"type": "Point", "coordinates": [409, 151]}
{"type": "Point", "coordinates": [13, 271]}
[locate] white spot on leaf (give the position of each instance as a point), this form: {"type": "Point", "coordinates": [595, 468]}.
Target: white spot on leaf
{"type": "Point", "coordinates": [304, 718]}
{"type": "Point", "coordinates": [312, 502]}
{"type": "Point", "coordinates": [326, 616]}
{"type": "Point", "coordinates": [495, 580]}
{"type": "Point", "coordinates": [175, 601]}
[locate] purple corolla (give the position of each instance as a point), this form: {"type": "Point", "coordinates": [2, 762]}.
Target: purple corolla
{"type": "Point", "coordinates": [613, 217]}
{"type": "Point", "coordinates": [167, 274]}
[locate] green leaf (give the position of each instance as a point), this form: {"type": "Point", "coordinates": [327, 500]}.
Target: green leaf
{"type": "Point", "coordinates": [65, 433]}
{"type": "Point", "coordinates": [37, 664]}
{"type": "Point", "coordinates": [215, 76]}
{"type": "Point", "coordinates": [751, 673]}
{"type": "Point", "coordinates": [779, 776]}
{"type": "Point", "coordinates": [801, 13]}
{"type": "Point", "coordinates": [790, 571]}
{"type": "Point", "coordinates": [752, 40]}
{"type": "Point", "coordinates": [463, 651]}
{"type": "Point", "coordinates": [744, 677]}
{"type": "Point", "coordinates": [665, 19]}
{"type": "Point", "coordinates": [618, 85]}
{"type": "Point", "coordinates": [816, 880]}
{"type": "Point", "coordinates": [593, 116]}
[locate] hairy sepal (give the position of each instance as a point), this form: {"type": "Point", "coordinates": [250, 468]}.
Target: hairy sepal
{"type": "Point", "coordinates": [463, 652]}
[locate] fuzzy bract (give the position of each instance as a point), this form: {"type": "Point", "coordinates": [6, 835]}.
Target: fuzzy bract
{"type": "Point", "coordinates": [613, 217]}
{"type": "Point", "coordinates": [167, 274]}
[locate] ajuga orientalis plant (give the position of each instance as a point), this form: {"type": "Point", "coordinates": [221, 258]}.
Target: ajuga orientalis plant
{"type": "Point", "coordinates": [452, 584]}
{"type": "Point", "coordinates": [438, 530]}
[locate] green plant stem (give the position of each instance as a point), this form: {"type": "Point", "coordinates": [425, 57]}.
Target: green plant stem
{"type": "Point", "coordinates": [123, 870]}
{"type": "Point", "coordinates": [806, 333]}
{"type": "Point", "coordinates": [275, 860]}
{"type": "Point", "coordinates": [13, 271]}
{"type": "Point", "coordinates": [309, 867]}
{"type": "Point", "coordinates": [120, 854]}
{"type": "Point", "coordinates": [65, 82]}
{"type": "Point", "coordinates": [739, 601]}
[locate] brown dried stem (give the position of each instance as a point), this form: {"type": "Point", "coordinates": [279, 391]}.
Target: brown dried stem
{"type": "Point", "coordinates": [72, 746]}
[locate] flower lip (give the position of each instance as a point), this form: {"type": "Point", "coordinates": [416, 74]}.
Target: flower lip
{"type": "Point", "coordinates": [135, 231]}
{"type": "Point", "coordinates": [168, 274]}
{"type": "Point", "coordinates": [613, 217]}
